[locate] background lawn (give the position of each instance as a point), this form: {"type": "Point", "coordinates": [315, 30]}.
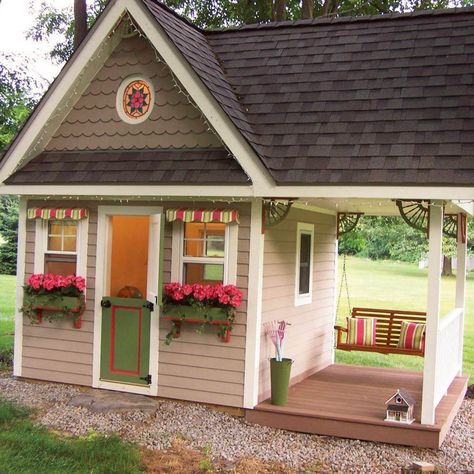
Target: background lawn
{"type": "Point", "coordinates": [7, 312]}
{"type": "Point", "coordinates": [395, 285]}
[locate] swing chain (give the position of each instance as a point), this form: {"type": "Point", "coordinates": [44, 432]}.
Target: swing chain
{"type": "Point", "coordinates": [344, 281]}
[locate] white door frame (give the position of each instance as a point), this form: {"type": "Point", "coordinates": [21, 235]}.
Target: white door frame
{"type": "Point", "coordinates": [101, 285]}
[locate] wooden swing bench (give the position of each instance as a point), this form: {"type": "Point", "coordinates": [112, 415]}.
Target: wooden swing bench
{"type": "Point", "coordinates": [387, 330]}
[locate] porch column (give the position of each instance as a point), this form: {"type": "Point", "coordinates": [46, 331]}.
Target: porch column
{"type": "Point", "coordinates": [254, 306]}
{"type": "Point", "coordinates": [432, 317]}
{"type": "Point", "coordinates": [461, 258]}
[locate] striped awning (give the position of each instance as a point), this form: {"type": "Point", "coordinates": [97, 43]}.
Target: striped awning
{"type": "Point", "coordinates": [225, 216]}
{"type": "Point", "coordinates": [59, 213]}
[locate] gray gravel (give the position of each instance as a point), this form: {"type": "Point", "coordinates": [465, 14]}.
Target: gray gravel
{"type": "Point", "coordinates": [232, 438]}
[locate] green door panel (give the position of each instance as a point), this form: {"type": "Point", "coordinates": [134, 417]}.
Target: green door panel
{"type": "Point", "coordinates": [125, 340]}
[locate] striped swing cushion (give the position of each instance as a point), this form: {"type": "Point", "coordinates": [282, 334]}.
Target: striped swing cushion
{"type": "Point", "coordinates": [361, 331]}
{"type": "Point", "coordinates": [412, 336]}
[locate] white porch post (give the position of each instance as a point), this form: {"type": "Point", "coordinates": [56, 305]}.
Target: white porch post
{"type": "Point", "coordinates": [432, 319]}
{"type": "Point", "coordinates": [461, 286]}
{"type": "Point", "coordinates": [254, 306]}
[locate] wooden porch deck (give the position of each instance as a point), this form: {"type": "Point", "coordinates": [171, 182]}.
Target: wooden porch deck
{"type": "Point", "coordinates": [349, 402]}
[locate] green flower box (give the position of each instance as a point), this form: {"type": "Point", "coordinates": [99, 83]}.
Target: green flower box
{"type": "Point", "coordinates": [53, 306]}
{"type": "Point", "coordinates": [178, 314]}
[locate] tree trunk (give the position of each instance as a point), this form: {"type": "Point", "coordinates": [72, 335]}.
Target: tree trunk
{"type": "Point", "coordinates": [447, 266]}
{"type": "Point", "coordinates": [280, 10]}
{"type": "Point", "coordinates": [80, 22]}
{"type": "Point", "coordinates": [326, 7]}
{"type": "Point", "coordinates": [307, 9]}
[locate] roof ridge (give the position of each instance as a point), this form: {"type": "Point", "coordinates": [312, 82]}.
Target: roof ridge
{"type": "Point", "coordinates": [341, 19]}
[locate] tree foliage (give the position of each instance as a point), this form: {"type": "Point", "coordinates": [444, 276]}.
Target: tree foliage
{"type": "Point", "coordinates": [52, 21]}
{"type": "Point", "coordinates": [9, 233]}
{"type": "Point", "coordinates": [392, 239]}
{"type": "Point", "coordinates": [18, 95]}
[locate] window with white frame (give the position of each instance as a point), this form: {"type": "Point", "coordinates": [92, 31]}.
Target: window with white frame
{"type": "Point", "coordinates": [204, 253]}
{"type": "Point", "coordinates": [60, 246]}
{"type": "Point", "coordinates": [304, 263]}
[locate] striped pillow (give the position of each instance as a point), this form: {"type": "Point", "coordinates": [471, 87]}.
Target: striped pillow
{"type": "Point", "coordinates": [412, 336]}
{"type": "Point", "coordinates": [361, 331]}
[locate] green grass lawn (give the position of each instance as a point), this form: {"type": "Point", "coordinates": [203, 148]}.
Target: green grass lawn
{"type": "Point", "coordinates": [388, 284]}
{"type": "Point", "coordinates": [30, 449]}
{"type": "Point", "coordinates": [7, 313]}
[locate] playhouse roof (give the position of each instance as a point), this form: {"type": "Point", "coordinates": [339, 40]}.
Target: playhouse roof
{"type": "Point", "coordinates": [373, 100]}
{"type": "Point", "coordinates": [380, 100]}
{"type": "Point", "coordinates": [402, 392]}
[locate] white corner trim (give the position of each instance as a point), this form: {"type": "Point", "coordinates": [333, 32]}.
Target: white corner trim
{"type": "Point", "coordinates": [60, 90]}
{"type": "Point", "coordinates": [20, 276]}
{"type": "Point", "coordinates": [200, 94]}
{"type": "Point", "coordinates": [101, 284]}
{"type": "Point", "coordinates": [306, 229]}
{"type": "Point", "coordinates": [254, 307]}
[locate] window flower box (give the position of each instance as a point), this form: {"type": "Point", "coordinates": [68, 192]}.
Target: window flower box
{"type": "Point", "coordinates": [207, 305]}
{"type": "Point", "coordinates": [54, 296]}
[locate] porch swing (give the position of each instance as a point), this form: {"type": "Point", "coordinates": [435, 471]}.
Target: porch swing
{"type": "Point", "coordinates": [384, 331]}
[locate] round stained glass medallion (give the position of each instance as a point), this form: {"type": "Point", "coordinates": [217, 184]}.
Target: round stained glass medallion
{"type": "Point", "coordinates": [135, 99]}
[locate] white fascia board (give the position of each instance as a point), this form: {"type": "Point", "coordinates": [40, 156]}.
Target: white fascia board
{"type": "Point", "coordinates": [200, 94]}
{"type": "Point", "coordinates": [62, 88]}
{"type": "Point", "coordinates": [132, 191]}
{"type": "Point", "coordinates": [347, 192]}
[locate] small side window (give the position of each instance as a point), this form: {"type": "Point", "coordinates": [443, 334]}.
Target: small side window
{"type": "Point", "coordinates": [60, 256]}
{"type": "Point", "coordinates": [304, 263]}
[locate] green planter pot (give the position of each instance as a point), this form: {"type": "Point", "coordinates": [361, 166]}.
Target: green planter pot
{"type": "Point", "coordinates": [55, 303]}
{"type": "Point", "coordinates": [37, 306]}
{"type": "Point", "coordinates": [280, 380]}
{"type": "Point", "coordinates": [193, 314]}
{"type": "Point", "coordinates": [178, 314]}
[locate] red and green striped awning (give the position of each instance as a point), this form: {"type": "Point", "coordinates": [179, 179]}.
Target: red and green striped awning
{"type": "Point", "coordinates": [226, 216]}
{"type": "Point", "coordinates": [59, 213]}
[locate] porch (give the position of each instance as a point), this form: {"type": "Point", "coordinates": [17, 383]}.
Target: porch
{"type": "Point", "coordinates": [349, 402]}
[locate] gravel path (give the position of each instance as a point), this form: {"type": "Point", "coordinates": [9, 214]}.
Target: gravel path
{"type": "Point", "coordinates": [232, 438]}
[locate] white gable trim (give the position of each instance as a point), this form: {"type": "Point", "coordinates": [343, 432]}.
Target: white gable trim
{"type": "Point", "coordinates": [201, 96]}
{"type": "Point", "coordinates": [65, 91]}
{"type": "Point", "coordinates": [84, 65]}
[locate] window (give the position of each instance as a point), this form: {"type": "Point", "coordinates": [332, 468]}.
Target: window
{"type": "Point", "coordinates": [61, 246]}
{"type": "Point", "coordinates": [202, 253]}
{"type": "Point", "coordinates": [304, 263]}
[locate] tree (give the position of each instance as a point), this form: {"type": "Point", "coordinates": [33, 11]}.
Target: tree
{"type": "Point", "coordinates": [9, 233]}
{"type": "Point", "coordinates": [19, 92]}
{"type": "Point", "coordinates": [80, 22]}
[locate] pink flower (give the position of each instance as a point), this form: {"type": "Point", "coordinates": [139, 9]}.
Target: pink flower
{"type": "Point", "coordinates": [80, 283]}
{"type": "Point", "coordinates": [187, 289]}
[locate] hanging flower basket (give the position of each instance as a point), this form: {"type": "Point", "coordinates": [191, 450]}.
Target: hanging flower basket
{"type": "Point", "coordinates": [207, 305]}
{"type": "Point", "coordinates": [53, 297]}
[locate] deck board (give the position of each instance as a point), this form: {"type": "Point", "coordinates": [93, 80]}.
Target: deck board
{"type": "Point", "coordinates": [349, 401]}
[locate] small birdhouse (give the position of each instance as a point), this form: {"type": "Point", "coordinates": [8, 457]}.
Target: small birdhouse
{"type": "Point", "coordinates": [400, 407]}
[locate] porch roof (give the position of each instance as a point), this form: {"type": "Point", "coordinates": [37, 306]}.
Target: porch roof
{"type": "Point", "coordinates": [369, 100]}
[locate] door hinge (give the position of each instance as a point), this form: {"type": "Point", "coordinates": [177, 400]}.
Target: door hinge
{"type": "Point", "coordinates": [147, 379]}
{"type": "Point", "coordinates": [149, 305]}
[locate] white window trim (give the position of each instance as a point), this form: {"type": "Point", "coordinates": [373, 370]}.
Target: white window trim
{"type": "Point", "coordinates": [41, 246]}
{"type": "Point", "coordinates": [306, 298]}
{"type": "Point", "coordinates": [230, 253]}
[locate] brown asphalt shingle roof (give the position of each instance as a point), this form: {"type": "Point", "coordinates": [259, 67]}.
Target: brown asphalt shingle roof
{"type": "Point", "coordinates": [373, 100]}
{"type": "Point", "coordinates": [166, 166]}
